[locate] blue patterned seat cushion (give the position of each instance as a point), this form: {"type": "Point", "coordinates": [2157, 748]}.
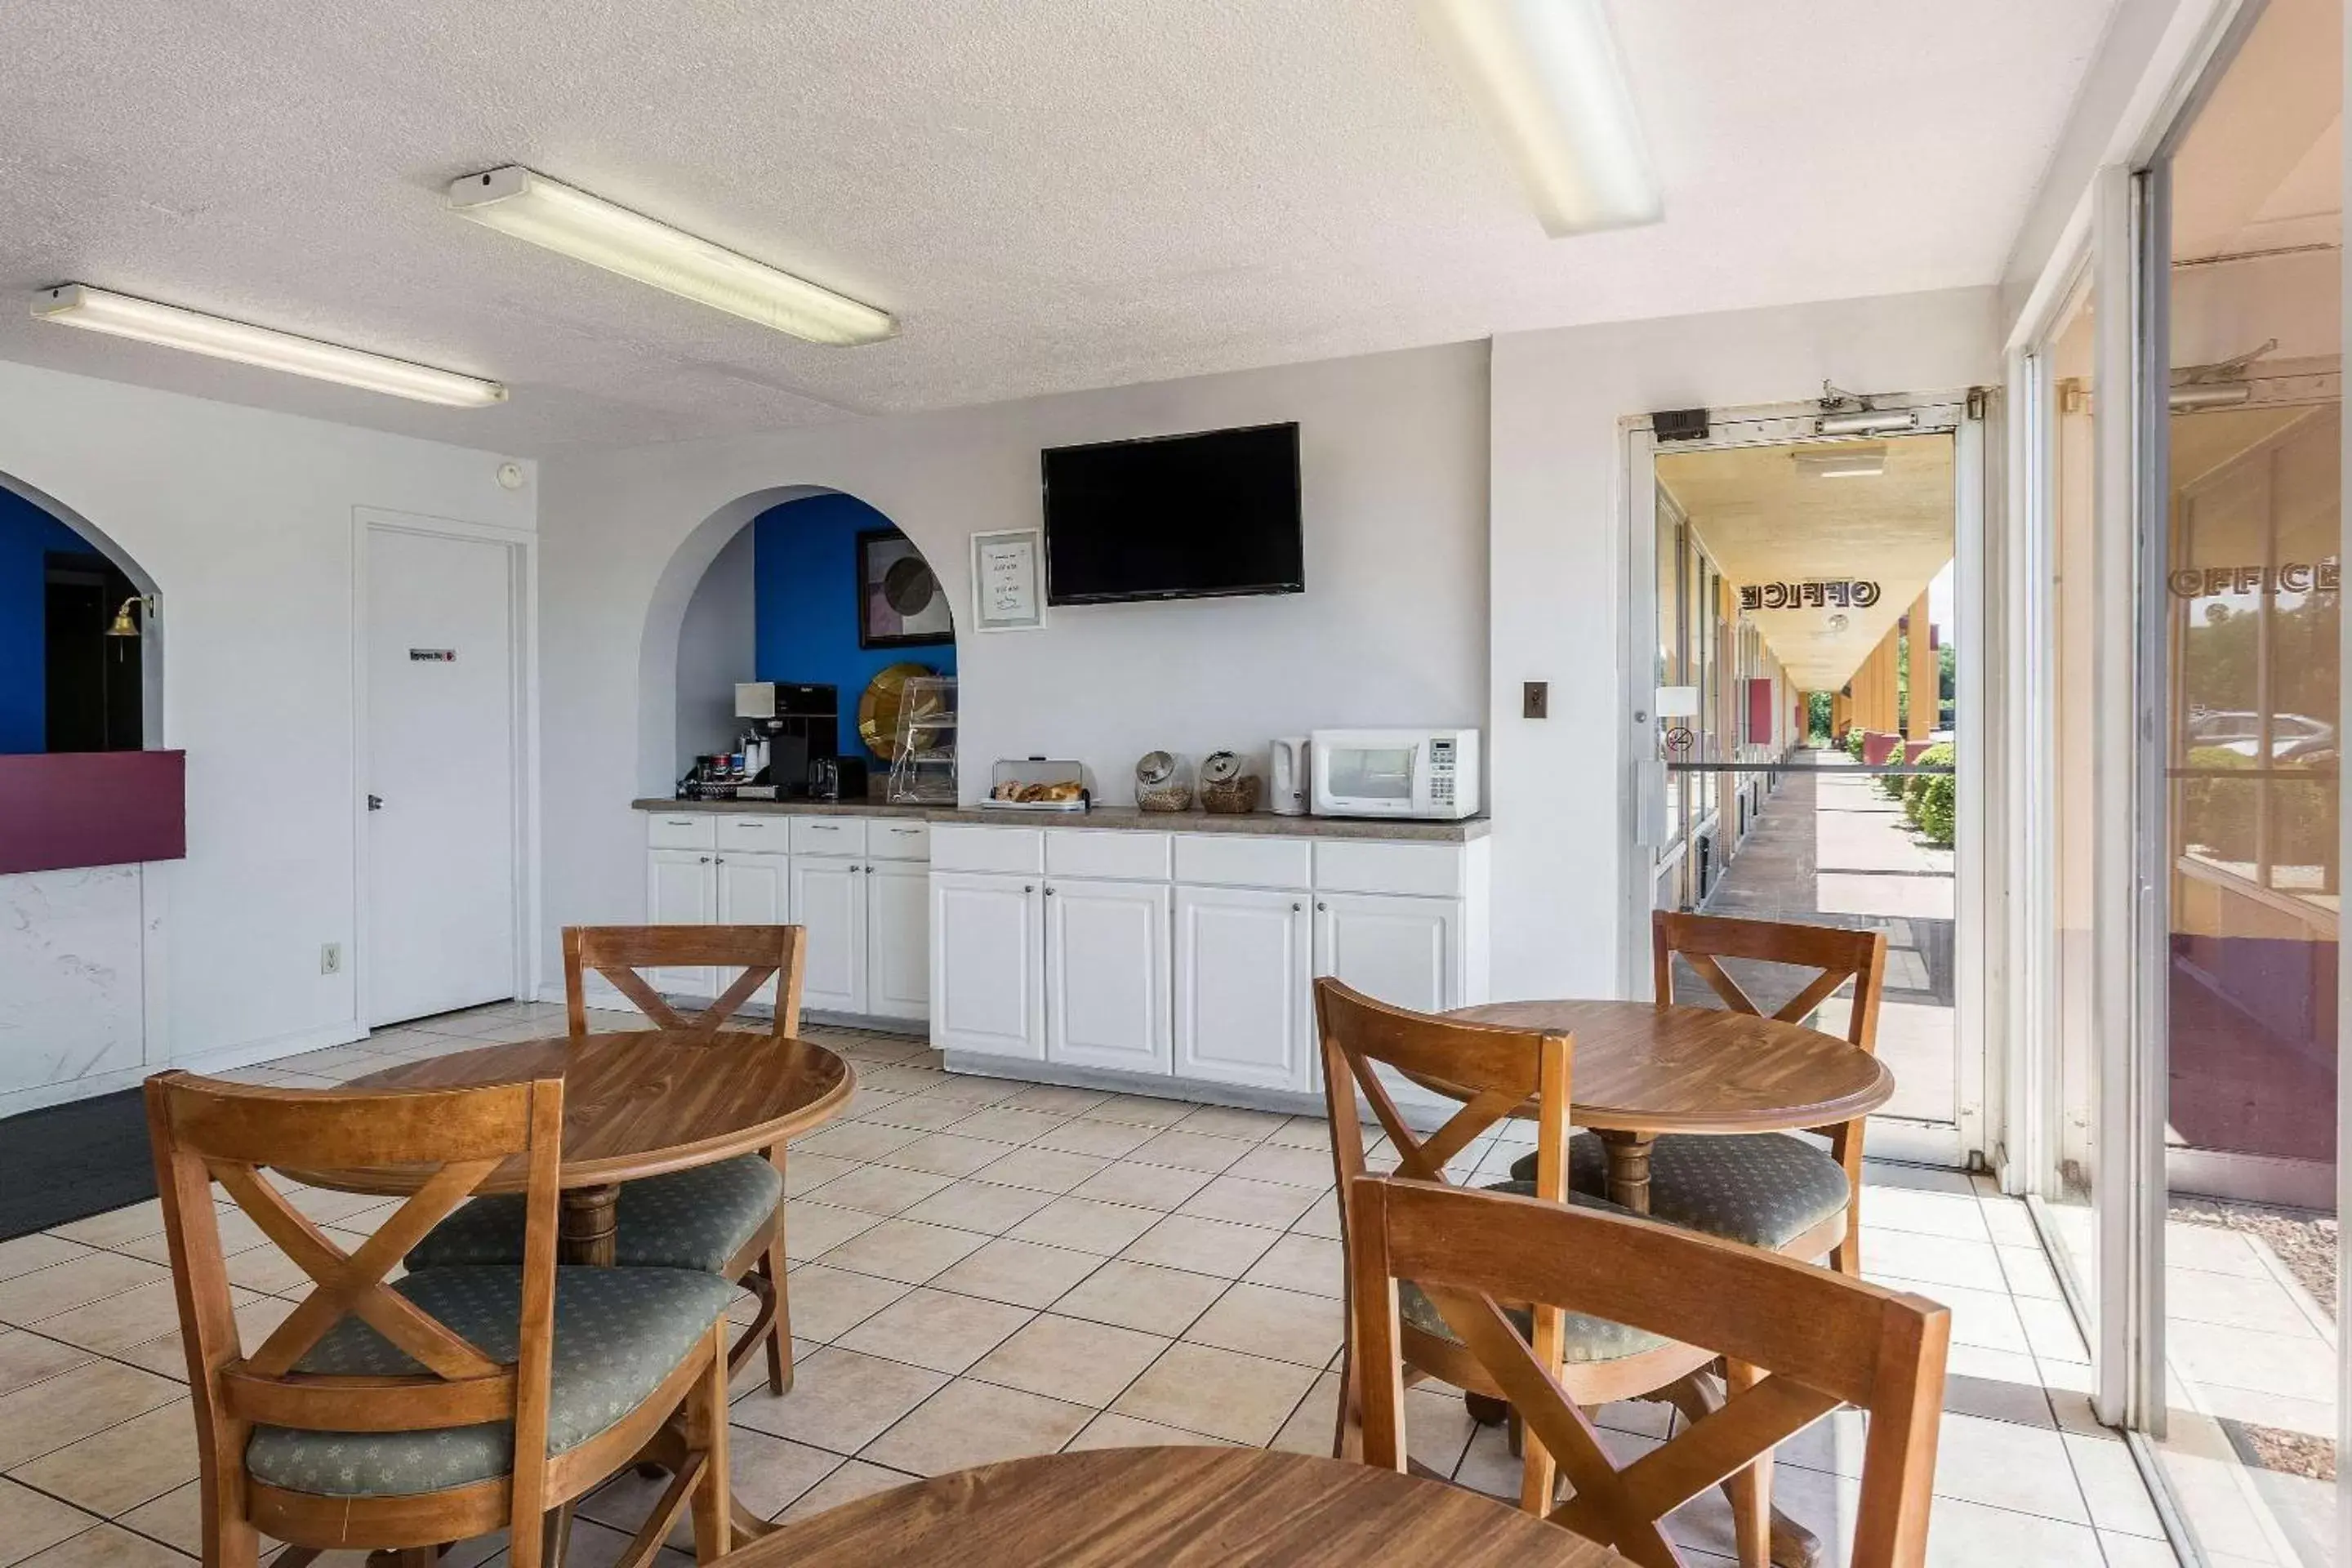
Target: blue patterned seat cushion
{"type": "Point", "coordinates": [697, 1218]}
{"type": "Point", "coordinates": [1583, 1339]}
{"type": "Point", "coordinates": [1763, 1188]}
{"type": "Point", "coordinates": [618, 1332]}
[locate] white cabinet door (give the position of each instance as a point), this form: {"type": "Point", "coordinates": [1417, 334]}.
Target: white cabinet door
{"type": "Point", "coordinates": [1406, 952]}
{"type": "Point", "coordinates": [1106, 974]}
{"type": "Point", "coordinates": [1244, 964]}
{"type": "Point", "coordinates": [897, 939]}
{"type": "Point", "coordinates": [682, 890]}
{"type": "Point", "coordinates": [754, 890]}
{"type": "Point", "coordinates": [829, 901]}
{"type": "Point", "coordinates": [988, 963]}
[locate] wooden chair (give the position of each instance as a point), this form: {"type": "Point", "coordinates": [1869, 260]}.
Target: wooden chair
{"type": "Point", "coordinates": [1502, 1068]}
{"type": "Point", "coordinates": [1766, 1189]}
{"type": "Point", "coordinates": [1813, 1339]}
{"type": "Point", "coordinates": [459, 1402]}
{"type": "Point", "coordinates": [725, 1218]}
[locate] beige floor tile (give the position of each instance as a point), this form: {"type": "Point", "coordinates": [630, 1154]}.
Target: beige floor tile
{"type": "Point", "coordinates": [804, 1173]}
{"type": "Point", "coordinates": [115, 1226]}
{"type": "Point", "coordinates": [168, 1356]}
{"type": "Point", "coordinates": [1008, 1124]}
{"type": "Point", "coordinates": [269, 1270]}
{"type": "Point", "coordinates": [30, 1522]}
{"type": "Point", "coordinates": [1282, 1325]}
{"type": "Point", "coordinates": [1144, 1187]}
{"type": "Point", "coordinates": [855, 1478]}
{"type": "Point", "coordinates": [1303, 1132]}
{"type": "Point", "coordinates": [1321, 1219]}
{"type": "Point", "coordinates": [1202, 1245]}
{"type": "Point", "coordinates": [949, 1154]}
{"type": "Point", "coordinates": [900, 1078]}
{"type": "Point", "coordinates": [1294, 1167]}
{"type": "Point", "coordinates": [175, 1519]}
{"type": "Point", "coordinates": [109, 1546]}
{"type": "Point", "coordinates": [45, 1292]}
{"type": "Point", "coordinates": [963, 1090]}
{"type": "Point", "coordinates": [919, 1111]}
{"type": "Point", "coordinates": [1192, 1152]}
{"type": "Point", "coordinates": [987, 1207]}
{"type": "Point", "coordinates": [882, 1189]}
{"type": "Point", "coordinates": [1933, 1259]}
{"type": "Point", "coordinates": [113, 1472]}
{"type": "Point", "coordinates": [1241, 1398]}
{"type": "Point", "coordinates": [1302, 1263]}
{"type": "Point", "coordinates": [73, 1404]}
{"type": "Point", "coordinates": [1437, 1428]}
{"type": "Point", "coordinates": [2111, 1486]}
{"type": "Point", "coordinates": [840, 1401]}
{"type": "Point", "coordinates": [114, 1323]}
{"type": "Point", "coordinates": [39, 1250]}
{"type": "Point", "coordinates": [1045, 1170]}
{"type": "Point", "coordinates": [27, 1358]}
{"type": "Point", "coordinates": [937, 1328]}
{"type": "Point", "coordinates": [1103, 1139]}
{"type": "Point", "coordinates": [1140, 1111]}
{"type": "Point", "coordinates": [826, 1303]}
{"type": "Point", "coordinates": [767, 1475]}
{"type": "Point", "coordinates": [1112, 1430]}
{"type": "Point", "coordinates": [1143, 1296]}
{"type": "Point", "coordinates": [903, 1249]}
{"type": "Point", "coordinates": [970, 1423]}
{"type": "Point", "coordinates": [1086, 1224]}
{"type": "Point", "coordinates": [323, 1204]}
{"type": "Point", "coordinates": [813, 1227]}
{"type": "Point", "coordinates": [1230, 1122]}
{"type": "Point", "coordinates": [1056, 1098]}
{"type": "Point", "coordinates": [1025, 1273]}
{"type": "Point", "coordinates": [860, 1141]}
{"type": "Point", "coordinates": [1244, 1201]}
{"type": "Point", "coordinates": [1071, 1358]}
{"type": "Point", "coordinates": [1986, 1318]}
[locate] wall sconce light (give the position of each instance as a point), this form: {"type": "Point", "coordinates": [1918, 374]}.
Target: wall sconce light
{"type": "Point", "coordinates": [125, 623]}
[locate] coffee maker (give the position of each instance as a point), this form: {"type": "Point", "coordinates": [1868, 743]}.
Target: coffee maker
{"type": "Point", "coordinates": [788, 726]}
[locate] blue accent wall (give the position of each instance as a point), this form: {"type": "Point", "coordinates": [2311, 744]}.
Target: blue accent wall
{"type": "Point", "coordinates": [804, 605]}
{"type": "Point", "coordinates": [27, 534]}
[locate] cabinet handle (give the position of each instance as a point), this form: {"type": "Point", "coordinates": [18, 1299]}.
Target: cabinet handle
{"type": "Point", "coordinates": [1322, 907]}
{"type": "Point", "coordinates": [1049, 892]}
{"type": "Point", "coordinates": [1296, 908]}
{"type": "Point", "coordinates": [1028, 886]}
{"type": "Point", "coordinates": [703, 858]}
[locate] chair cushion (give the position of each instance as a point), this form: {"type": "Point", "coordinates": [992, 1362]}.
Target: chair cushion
{"type": "Point", "coordinates": [697, 1218]}
{"type": "Point", "coordinates": [618, 1332]}
{"type": "Point", "coordinates": [1763, 1188]}
{"type": "Point", "coordinates": [1583, 1339]}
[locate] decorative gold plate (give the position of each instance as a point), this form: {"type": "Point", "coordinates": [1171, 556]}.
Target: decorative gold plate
{"type": "Point", "coordinates": [878, 711]}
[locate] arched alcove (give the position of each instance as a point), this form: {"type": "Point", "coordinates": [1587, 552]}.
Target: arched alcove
{"type": "Point", "coordinates": [66, 684]}
{"type": "Point", "coordinates": [798, 584]}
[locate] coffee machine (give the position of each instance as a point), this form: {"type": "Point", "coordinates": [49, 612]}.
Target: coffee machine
{"type": "Point", "coordinates": [788, 725]}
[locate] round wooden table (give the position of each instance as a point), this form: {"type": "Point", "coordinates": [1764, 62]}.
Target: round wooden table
{"type": "Point", "coordinates": [1175, 1508]}
{"type": "Point", "coordinates": [637, 1103]}
{"type": "Point", "coordinates": [1640, 1069]}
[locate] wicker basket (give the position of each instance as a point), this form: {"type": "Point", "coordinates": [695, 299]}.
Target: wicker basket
{"type": "Point", "coordinates": [1233, 797]}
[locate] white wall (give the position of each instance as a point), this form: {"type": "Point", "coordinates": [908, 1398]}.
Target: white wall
{"type": "Point", "coordinates": [244, 521]}
{"type": "Point", "coordinates": [715, 649]}
{"type": "Point", "coordinates": [1557, 562]}
{"type": "Point", "coordinates": [1392, 628]}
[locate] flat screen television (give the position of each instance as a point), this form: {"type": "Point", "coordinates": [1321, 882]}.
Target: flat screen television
{"type": "Point", "coordinates": [1174, 517]}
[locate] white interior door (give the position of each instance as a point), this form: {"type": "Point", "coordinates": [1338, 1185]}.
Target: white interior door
{"type": "Point", "coordinates": [439, 764]}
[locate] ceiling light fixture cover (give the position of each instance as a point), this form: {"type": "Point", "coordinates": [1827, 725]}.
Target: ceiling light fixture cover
{"type": "Point", "coordinates": [121, 316]}
{"type": "Point", "coordinates": [530, 207]}
{"type": "Point", "coordinates": [1841, 461]}
{"type": "Point", "coordinates": [1550, 73]}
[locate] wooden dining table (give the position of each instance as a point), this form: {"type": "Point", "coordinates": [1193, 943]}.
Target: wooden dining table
{"type": "Point", "coordinates": [637, 1103]}
{"type": "Point", "coordinates": [1175, 1508]}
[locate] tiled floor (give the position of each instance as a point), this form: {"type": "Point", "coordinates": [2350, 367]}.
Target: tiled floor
{"type": "Point", "coordinates": [984, 1270]}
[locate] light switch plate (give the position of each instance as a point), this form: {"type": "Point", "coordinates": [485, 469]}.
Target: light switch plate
{"type": "Point", "coordinates": [1535, 701]}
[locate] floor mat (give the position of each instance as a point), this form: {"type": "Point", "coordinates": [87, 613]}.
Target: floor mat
{"type": "Point", "coordinates": [69, 1162]}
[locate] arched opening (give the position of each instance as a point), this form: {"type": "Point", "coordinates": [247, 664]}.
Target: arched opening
{"type": "Point", "coordinates": [809, 588]}
{"type": "Point", "coordinates": [80, 655]}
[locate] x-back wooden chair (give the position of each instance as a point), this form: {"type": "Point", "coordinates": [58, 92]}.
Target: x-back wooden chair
{"type": "Point", "coordinates": [1814, 1339]}
{"type": "Point", "coordinates": [1502, 1068]}
{"type": "Point", "coordinates": [726, 1217]}
{"type": "Point", "coordinates": [403, 1417]}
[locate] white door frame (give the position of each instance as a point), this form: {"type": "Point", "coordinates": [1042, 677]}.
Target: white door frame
{"type": "Point", "coordinates": [522, 549]}
{"type": "Point", "coordinates": [1975, 927]}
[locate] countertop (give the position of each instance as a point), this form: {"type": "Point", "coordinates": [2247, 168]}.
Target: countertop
{"type": "Point", "coordinates": [1113, 817]}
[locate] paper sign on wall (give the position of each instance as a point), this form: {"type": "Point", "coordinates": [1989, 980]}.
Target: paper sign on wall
{"type": "Point", "coordinates": [1005, 572]}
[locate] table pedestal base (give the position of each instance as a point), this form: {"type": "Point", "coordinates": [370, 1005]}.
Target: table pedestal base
{"type": "Point", "coordinates": [588, 1226]}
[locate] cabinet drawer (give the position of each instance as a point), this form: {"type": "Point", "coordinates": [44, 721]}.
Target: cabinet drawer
{"type": "Point", "coordinates": [1107, 852]}
{"type": "Point", "coordinates": [828, 834]}
{"type": "Point", "coordinates": [1016, 852]}
{"type": "Point", "coordinates": [680, 830]}
{"type": "Point", "coordinates": [1232, 860]}
{"type": "Point", "coordinates": [774, 833]}
{"type": "Point", "coordinates": [1348, 866]}
{"type": "Point", "coordinates": [888, 839]}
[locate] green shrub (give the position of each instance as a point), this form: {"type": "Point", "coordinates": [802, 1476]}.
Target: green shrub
{"type": "Point", "coordinates": [1893, 782]}
{"type": "Point", "coordinates": [1854, 741]}
{"type": "Point", "coordinates": [1927, 797]}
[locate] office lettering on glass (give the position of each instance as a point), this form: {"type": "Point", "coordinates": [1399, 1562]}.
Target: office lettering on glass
{"type": "Point", "coordinates": [2287, 577]}
{"type": "Point", "coordinates": [1817, 593]}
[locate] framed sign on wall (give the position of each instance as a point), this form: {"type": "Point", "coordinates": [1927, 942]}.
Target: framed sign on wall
{"type": "Point", "coordinates": [1007, 569]}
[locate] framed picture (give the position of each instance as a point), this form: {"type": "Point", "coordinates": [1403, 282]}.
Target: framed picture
{"type": "Point", "coordinates": [1004, 581]}
{"type": "Point", "coordinates": [901, 603]}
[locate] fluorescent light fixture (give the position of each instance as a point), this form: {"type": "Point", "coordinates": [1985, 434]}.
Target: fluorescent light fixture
{"type": "Point", "coordinates": [517, 202]}
{"type": "Point", "coordinates": [1551, 76]}
{"type": "Point", "coordinates": [120, 315]}
{"type": "Point", "coordinates": [1843, 461]}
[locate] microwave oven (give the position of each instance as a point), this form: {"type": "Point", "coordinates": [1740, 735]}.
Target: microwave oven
{"type": "Point", "coordinates": [1394, 772]}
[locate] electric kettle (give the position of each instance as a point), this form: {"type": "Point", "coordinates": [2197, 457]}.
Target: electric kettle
{"type": "Point", "coordinates": [1288, 780]}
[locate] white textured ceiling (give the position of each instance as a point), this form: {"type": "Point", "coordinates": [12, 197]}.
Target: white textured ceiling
{"type": "Point", "coordinates": [1050, 194]}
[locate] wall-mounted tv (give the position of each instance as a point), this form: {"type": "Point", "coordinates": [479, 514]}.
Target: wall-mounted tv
{"type": "Point", "coordinates": [1174, 517]}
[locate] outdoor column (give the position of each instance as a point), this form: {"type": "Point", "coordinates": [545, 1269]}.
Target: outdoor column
{"type": "Point", "coordinates": [1926, 675]}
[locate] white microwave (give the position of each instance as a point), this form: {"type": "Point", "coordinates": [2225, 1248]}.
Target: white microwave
{"type": "Point", "coordinates": [1394, 772]}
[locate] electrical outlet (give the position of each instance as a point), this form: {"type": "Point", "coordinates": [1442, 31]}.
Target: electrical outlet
{"type": "Point", "coordinates": [1534, 699]}
{"type": "Point", "coordinates": [330, 958]}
